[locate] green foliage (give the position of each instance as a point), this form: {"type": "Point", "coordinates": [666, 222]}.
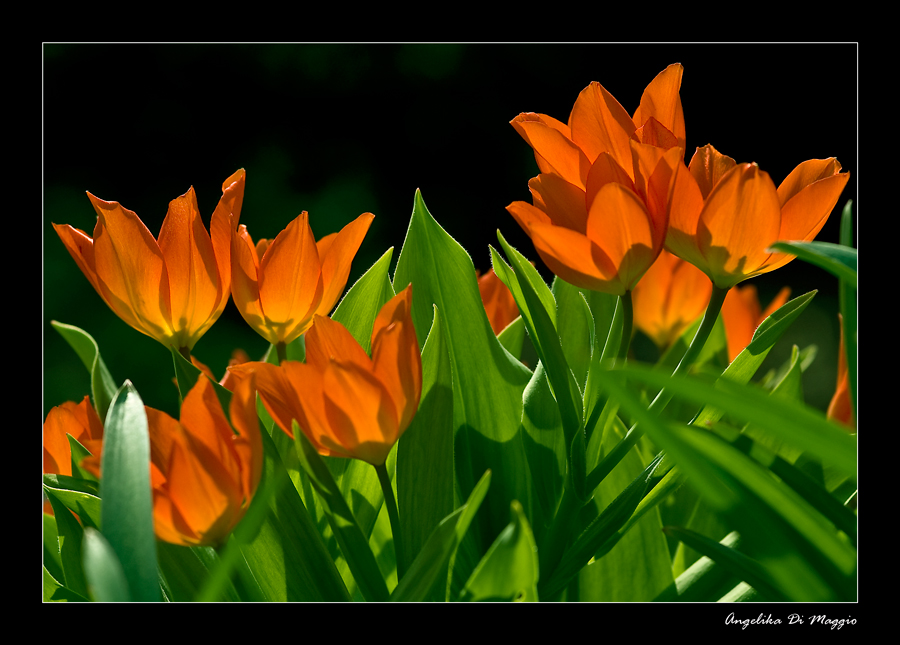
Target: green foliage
{"type": "Point", "coordinates": [582, 475]}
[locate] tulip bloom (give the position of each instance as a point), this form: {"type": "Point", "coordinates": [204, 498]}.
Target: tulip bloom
{"type": "Point", "coordinates": [498, 301]}
{"type": "Point", "coordinates": [671, 295]}
{"type": "Point", "coordinates": [841, 408]}
{"type": "Point", "coordinates": [599, 212]}
{"type": "Point", "coordinates": [77, 419]}
{"type": "Point", "coordinates": [742, 314]}
{"type": "Point", "coordinates": [173, 289]}
{"type": "Point", "coordinates": [346, 403]}
{"type": "Point", "coordinates": [204, 473]}
{"type": "Point", "coordinates": [724, 216]}
{"type": "Point", "coordinates": [279, 286]}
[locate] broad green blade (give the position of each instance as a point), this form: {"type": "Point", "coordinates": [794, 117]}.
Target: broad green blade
{"type": "Point", "coordinates": [127, 502]}
{"type": "Point", "coordinates": [426, 569]}
{"type": "Point", "coordinates": [286, 552]}
{"type": "Point", "coordinates": [704, 580]}
{"type": "Point", "coordinates": [837, 259]}
{"type": "Point", "coordinates": [487, 381]}
{"type": "Point", "coordinates": [106, 578]}
{"type": "Point", "coordinates": [354, 545]}
{"type": "Point", "coordinates": [784, 420]}
{"type": "Point", "coordinates": [103, 388]}
{"type": "Point", "coordinates": [425, 451]}
{"type": "Point", "coordinates": [509, 570]}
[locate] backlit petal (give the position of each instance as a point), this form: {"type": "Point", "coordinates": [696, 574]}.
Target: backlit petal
{"type": "Point", "coordinates": [618, 223]}
{"type": "Point", "coordinates": [222, 224]}
{"type": "Point", "coordinates": [290, 280]}
{"type": "Point", "coordinates": [131, 270]}
{"type": "Point", "coordinates": [396, 357]}
{"type": "Point", "coordinates": [550, 142]}
{"type": "Point", "coordinates": [740, 218]}
{"type": "Point", "coordinates": [600, 124]}
{"type": "Point", "coordinates": [562, 201]}
{"type": "Point", "coordinates": [336, 254]}
{"type": "Point", "coordinates": [245, 283]}
{"type": "Point", "coordinates": [191, 265]}
{"type": "Point", "coordinates": [575, 258]}
{"type": "Point", "coordinates": [661, 100]}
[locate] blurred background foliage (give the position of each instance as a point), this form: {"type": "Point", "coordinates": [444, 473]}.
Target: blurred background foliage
{"type": "Point", "coordinates": [341, 129]}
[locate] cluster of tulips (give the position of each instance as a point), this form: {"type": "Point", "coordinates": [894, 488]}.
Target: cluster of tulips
{"type": "Point", "coordinates": [615, 209]}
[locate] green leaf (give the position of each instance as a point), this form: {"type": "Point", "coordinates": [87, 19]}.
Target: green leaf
{"type": "Point", "coordinates": [360, 306]}
{"type": "Point", "coordinates": [837, 259]}
{"type": "Point", "coordinates": [509, 570]}
{"type": "Point", "coordinates": [285, 551]}
{"type": "Point", "coordinates": [354, 545]}
{"type": "Point", "coordinates": [847, 298]}
{"type": "Point", "coordinates": [106, 578]}
{"type": "Point", "coordinates": [103, 388]}
{"type": "Point", "coordinates": [424, 476]}
{"type": "Point", "coordinates": [187, 374]}
{"type": "Point", "coordinates": [733, 562]}
{"type": "Point", "coordinates": [78, 495]}
{"type": "Point", "coordinates": [789, 421]}
{"type": "Point", "coordinates": [440, 547]}
{"type": "Point", "coordinates": [70, 536]}
{"type": "Point", "coordinates": [488, 382]}
{"type": "Point", "coordinates": [127, 502]}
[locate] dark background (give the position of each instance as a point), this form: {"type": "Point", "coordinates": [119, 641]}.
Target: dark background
{"type": "Point", "coordinates": [341, 129]}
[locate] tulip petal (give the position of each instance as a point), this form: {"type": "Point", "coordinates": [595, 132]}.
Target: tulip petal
{"type": "Point", "coordinates": [245, 283]}
{"type": "Point", "coordinates": [131, 270]}
{"type": "Point", "coordinates": [708, 166]}
{"type": "Point", "coordinates": [740, 218]}
{"type": "Point", "coordinates": [362, 417]}
{"type": "Point", "coordinates": [661, 101]}
{"type": "Point", "coordinates": [191, 265]}
{"type": "Point", "coordinates": [290, 280]}
{"type": "Point", "coordinates": [527, 214]}
{"type": "Point", "coordinates": [551, 143]}
{"type": "Point", "coordinates": [222, 224]}
{"type": "Point", "coordinates": [336, 253]}
{"type": "Point", "coordinates": [81, 247]}
{"type": "Point", "coordinates": [618, 223]}
{"type": "Point", "coordinates": [248, 442]}
{"type": "Point", "coordinates": [329, 340]}
{"type": "Point", "coordinates": [562, 201]}
{"type": "Point", "coordinates": [396, 357]}
{"type": "Point", "coordinates": [600, 124]}
{"type": "Point", "coordinates": [575, 258]}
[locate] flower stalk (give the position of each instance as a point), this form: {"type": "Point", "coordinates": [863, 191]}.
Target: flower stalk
{"type": "Point", "coordinates": [391, 502]}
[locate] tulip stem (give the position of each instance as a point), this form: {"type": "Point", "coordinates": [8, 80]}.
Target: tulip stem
{"type": "Point", "coordinates": [184, 351]}
{"type": "Point", "coordinates": [281, 351]}
{"type": "Point", "coordinates": [385, 480]}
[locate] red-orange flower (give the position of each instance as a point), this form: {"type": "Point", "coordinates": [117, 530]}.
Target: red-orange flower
{"type": "Point", "coordinates": [498, 301]}
{"type": "Point", "coordinates": [841, 408]}
{"type": "Point", "coordinates": [671, 295]}
{"type": "Point", "coordinates": [204, 473]}
{"type": "Point", "coordinates": [346, 403]}
{"type": "Point", "coordinates": [742, 314]}
{"type": "Point", "coordinates": [77, 419]}
{"type": "Point", "coordinates": [724, 216]}
{"type": "Point", "coordinates": [279, 286]}
{"type": "Point", "coordinates": [600, 210]}
{"type": "Point", "coordinates": [172, 289]}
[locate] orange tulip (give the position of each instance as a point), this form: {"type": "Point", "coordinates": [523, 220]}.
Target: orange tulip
{"type": "Point", "coordinates": [346, 403]}
{"type": "Point", "coordinates": [742, 314]}
{"type": "Point", "coordinates": [204, 473]}
{"type": "Point", "coordinates": [498, 301]}
{"type": "Point", "coordinates": [77, 419]}
{"type": "Point", "coordinates": [600, 210]}
{"type": "Point", "coordinates": [724, 216]}
{"type": "Point", "coordinates": [840, 408]}
{"type": "Point", "coordinates": [671, 295]}
{"type": "Point", "coordinates": [279, 286]}
{"type": "Point", "coordinates": [173, 289]}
